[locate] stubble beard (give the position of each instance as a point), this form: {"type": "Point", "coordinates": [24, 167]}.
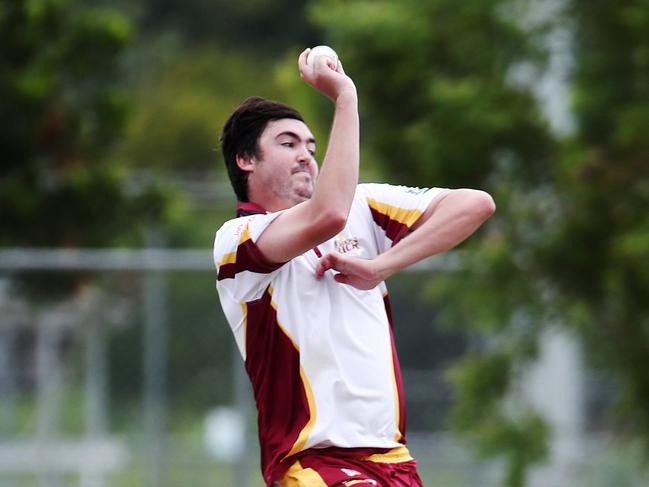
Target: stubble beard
{"type": "Point", "coordinates": [294, 191]}
{"type": "Point", "coordinates": [304, 192]}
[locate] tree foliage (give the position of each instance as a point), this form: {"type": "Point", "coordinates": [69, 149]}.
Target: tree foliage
{"type": "Point", "coordinates": [440, 109]}
{"type": "Point", "coordinates": [62, 110]}
{"type": "Point", "coordinates": [182, 104]}
{"type": "Point", "coordinates": [596, 255]}
{"type": "Point", "coordinates": [260, 28]}
{"type": "Point", "coordinates": [568, 245]}
{"type": "Point", "coordinates": [436, 104]}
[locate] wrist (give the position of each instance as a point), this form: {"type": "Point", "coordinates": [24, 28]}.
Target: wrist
{"type": "Point", "coordinates": [346, 97]}
{"type": "Point", "coordinates": [383, 267]}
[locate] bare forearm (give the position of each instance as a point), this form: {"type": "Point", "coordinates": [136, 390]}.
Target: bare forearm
{"type": "Point", "coordinates": [338, 178]}
{"type": "Point", "coordinates": [456, 217]}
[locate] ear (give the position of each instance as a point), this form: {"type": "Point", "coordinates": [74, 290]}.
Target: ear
{"type": "Point", "coordinates": [245, 162]}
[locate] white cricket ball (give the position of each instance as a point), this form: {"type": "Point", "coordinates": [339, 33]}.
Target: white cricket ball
{"type": "Point", "coordinates": [318, 51]}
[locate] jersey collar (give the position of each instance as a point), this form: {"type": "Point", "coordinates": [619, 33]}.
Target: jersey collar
{"type": "Point", "coordinates": [245, 208]}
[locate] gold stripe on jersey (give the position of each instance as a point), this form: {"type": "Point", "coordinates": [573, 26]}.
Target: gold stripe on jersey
{"type": "Point", "coordinates": [401, 215]}
{"type": "Point", "coordinates": [244, 308]}
{"type": "Point", "coordinates": [298, 476]}
{"type": "Point", "coordinates": [396, 455]}
{"type": "Point", "coordinates": [397, 410]}
{"type": "Point", "coordinates": [274, 305]}
{"type": "Point", "coordinates": [231, 257]}
{"type": "Point", "coordinates": [306, 431]}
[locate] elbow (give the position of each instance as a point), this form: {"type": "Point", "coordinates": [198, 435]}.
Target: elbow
{"type": "Point", "coordinates": [329, 223]}
{"type": "Point", "coordinates": [481, 204]}
{"type": "Point", "coordinates": [334, 222]}
{"type": "Point", "coordinates": [486, 204]}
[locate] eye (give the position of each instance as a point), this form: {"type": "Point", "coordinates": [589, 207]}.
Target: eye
{"type": "Point", "coordinates": [312, 152]}
{"type": "Point", "coordinates": [287, 144]}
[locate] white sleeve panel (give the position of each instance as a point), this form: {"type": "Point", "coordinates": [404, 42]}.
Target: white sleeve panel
{"type": "Point", "coordinates": [241, 268]}
{"type": "Point", "coordinates": [395, 209]}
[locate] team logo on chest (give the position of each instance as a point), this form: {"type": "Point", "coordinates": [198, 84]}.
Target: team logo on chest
{"type": "Point", "coordinates": [344, 245]}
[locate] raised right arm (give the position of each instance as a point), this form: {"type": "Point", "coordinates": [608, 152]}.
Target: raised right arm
{"type": "Point", "coordinates": [324, 215]}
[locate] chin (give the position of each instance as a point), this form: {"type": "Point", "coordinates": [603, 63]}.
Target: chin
{"type": "Point", "coordinates": [300, 198]}
{"type": "Point", "coordinates": [303, 194]}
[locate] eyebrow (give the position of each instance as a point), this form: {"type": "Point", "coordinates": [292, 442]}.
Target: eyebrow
{"type": "Point", "coordinates": [310, 140]}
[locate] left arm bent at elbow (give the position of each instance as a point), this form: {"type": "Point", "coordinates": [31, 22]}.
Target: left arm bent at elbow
{"type": "Point", "coordinates": [469, 202]}
{"type": "Point", "coordinates": [481, 202]}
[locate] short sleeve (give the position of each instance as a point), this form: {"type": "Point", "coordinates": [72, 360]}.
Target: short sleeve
{"type": "Point", "coordinates": [395, 209]}
{"type": "Point", "coordinates": [243, 273]}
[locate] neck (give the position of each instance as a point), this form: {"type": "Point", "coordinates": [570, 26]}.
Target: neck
{"type": "Point", "coordinates": [268, 201]}
{"type": "Point", "coordinates": [245, 208]}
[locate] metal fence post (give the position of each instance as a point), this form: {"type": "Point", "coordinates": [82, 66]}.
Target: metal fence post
{"type": "Point", "coordinates": [155, 358]}
{"type": "Point", "coordinates": [49, 383]}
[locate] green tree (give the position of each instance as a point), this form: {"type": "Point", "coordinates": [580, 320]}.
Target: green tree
{"type": "Point", "coordinates": [192, 64]}
{"type": "Point", "coordinates": [182, 104]}
{"type": "Point", "coordinates": [596, 255]}
{"type": "Point", "coordinates": [62, 111]}
{"type": "Point", "coordinates": [441, 107]}
{"type": "Point", "coordinates": [581, 257]}
{"type": "Point", "coordinates": [568, 245]}
{"type": "Point", "coordinates": [436, 103]}
{"type": "Point", "coordinates": [260, 28]}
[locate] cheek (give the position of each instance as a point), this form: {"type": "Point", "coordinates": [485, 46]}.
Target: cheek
{"type": "Point", "coordinates": [314, 169]}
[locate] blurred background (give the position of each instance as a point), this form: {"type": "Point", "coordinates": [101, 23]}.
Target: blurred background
{"type": "Point", "coordinates": [525, 352]}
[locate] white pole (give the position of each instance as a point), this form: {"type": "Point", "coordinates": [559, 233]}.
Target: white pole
{"type": "Point", "coordinates": [95, 395]}
{"type": "Point", "coordinates": [48, 370]}
{"type": "Point", "coordinates": [155, 358]}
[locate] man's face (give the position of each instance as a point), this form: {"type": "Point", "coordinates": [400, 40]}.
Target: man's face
{"type": "Point", "coordinates": [285, 171]}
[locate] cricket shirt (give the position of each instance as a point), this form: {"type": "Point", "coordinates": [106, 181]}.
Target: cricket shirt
{"type": "Point", "coordinates": [320, 354]}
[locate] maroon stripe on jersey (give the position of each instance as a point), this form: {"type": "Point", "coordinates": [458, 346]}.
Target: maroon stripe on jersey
{"type": "Point", "coordinates": [248, 258]}
{"type": "Point", "coordinates": [273, 365]}
{"type": "Point", "coordinates": [394, 230]}
{"type": "Point", "coordinates": [249, 208]}
{"type": "Point", "coordinates": [397, 373]}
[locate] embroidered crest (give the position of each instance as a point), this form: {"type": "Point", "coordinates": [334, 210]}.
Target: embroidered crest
{"type": "Point", "coordinates": [344, 245]}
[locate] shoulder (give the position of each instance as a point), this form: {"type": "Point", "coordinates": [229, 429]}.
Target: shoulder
{"type": "Point", "coordinates": [387, 188]}
{"type": "Point", "coordinates": [379, 194]}
{"type": "Point", "coordinates": [231, 229]}
{"type": "Point", "coordinates": [379, 189]}
{"type": "Point", "coordinates": [245, 226]}
{"type": "Point", "coordinates": [241, 232]}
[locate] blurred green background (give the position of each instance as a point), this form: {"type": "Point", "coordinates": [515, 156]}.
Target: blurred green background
{"type": "Point", "coordinates": [526, 356]}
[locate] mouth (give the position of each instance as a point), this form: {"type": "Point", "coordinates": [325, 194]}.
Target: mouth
{"type": "Point", "coordinates": [306, 175]}
{"type": "Point", "coordinates": [303, 185]}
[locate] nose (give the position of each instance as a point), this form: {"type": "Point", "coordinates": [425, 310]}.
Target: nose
{"type": "Point", "coordinates": [304, 156]}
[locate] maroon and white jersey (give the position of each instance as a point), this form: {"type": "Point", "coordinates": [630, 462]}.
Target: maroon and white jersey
{"type": "Point", "coordinates": [320, 354]}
